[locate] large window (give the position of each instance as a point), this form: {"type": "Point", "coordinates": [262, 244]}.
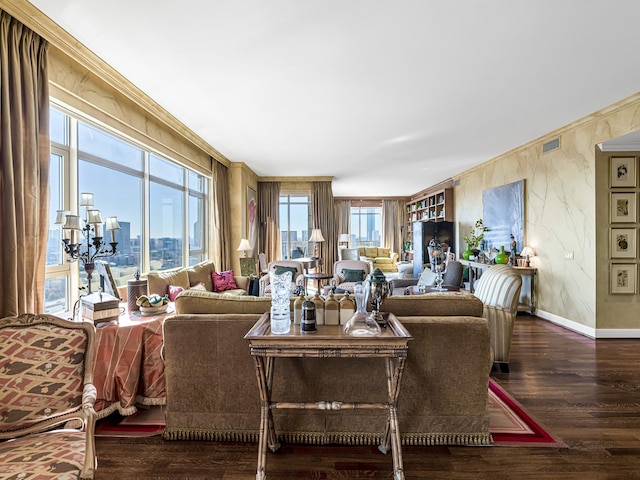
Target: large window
{"type": "Point", "coordinates": [160, 205]}
{"type": "Point", "coordinates": [295, 218]}
{"type": "Point", "coordinates": [366, 225]}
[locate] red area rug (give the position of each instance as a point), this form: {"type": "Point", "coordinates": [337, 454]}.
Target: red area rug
{"type": "Point", "coordinates": [509, 423]}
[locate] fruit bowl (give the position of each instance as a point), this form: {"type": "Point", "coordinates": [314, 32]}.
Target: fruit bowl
{"type": "Point", "coordinates": [154, 310]}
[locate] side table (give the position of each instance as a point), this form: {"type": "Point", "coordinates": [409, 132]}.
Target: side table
{"type": "Point", "coordinates": [329, 341]}
{"type": "Point", "coordinates": [318, 277]}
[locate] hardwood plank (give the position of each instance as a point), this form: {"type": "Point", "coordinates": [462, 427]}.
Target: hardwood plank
{"type": "Point", "coordinates": [584, 391]}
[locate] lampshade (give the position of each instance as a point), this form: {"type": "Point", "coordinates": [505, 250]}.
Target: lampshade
{"type": "Point", "coordinates": [528, 252]}
{"type": "Point", "coordinates": [316, 236]}
{"type": "Point", "coordinates": [73, 222]}
{"type": "Point", "coordinates": [343, 238]}
{"type": "Point", "coordinates": [94, 216]}
{"type": "Point", "coordinates": [86, 199]}
{"type": "Point", "coordinates": [244, 245]}
{"type": "Point", "coordinates": [61, 216]}
{"type": "Point", "coordinates": [112, 223]}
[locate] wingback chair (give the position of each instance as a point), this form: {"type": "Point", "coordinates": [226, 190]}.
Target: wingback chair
{"type": "Point", "coordinates": [341, 279]}
{"type": "Point", "coordinates": [46, 366]}
{"type": "Point", "coordinates": [297, 279]}
{"type": "Point", "coordinates": [499, 289]}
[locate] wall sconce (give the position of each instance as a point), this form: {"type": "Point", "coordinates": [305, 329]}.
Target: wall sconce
{"type": "Point", "coordinates": [316, 237]}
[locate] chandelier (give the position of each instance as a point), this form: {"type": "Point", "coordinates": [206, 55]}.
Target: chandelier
{"type": "Point", "coordinates": [85, 242]}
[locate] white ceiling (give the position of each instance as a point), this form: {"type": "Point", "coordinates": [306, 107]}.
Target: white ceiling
{"type": "Point", "coordinates": [389, 97]}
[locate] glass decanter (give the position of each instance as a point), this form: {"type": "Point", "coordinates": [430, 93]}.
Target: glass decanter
{"type": "Point", "coordinates": [361, 324]}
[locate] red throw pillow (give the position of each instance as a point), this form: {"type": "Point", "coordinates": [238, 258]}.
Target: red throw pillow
{"type": "Point", "coordinates": [223, 281]}
{"type": "Point", "coordinates": [173, 291]}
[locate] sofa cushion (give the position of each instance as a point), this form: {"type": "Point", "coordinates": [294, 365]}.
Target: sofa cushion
{"type": "Point", "coordinates": [191, 301]}
{"type": "Point", "coordinates": [448, 304]}
{"type": "Point", "coordinates": [173, 291]}
{"type": "Point", "coordinates": [371, 252]}
{"type": "Point", "coordinates": [158, 282]}
{"type": "Point", "coordinates": [383, 252]}
{"type": "Point", "coordinates": [223, 281]}
{"type": "Point", "coordinates": [280, 269]}
{"type": "Point", "coordinates": [353, 275]}
{"type": "Point", "coordinates": [201, 273]}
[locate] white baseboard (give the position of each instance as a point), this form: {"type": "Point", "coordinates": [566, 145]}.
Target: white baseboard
{"type": "Point", "coordinates": [589, 331]}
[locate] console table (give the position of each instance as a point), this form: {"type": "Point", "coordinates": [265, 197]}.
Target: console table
{"type": "Point", "coordinates": [476, 269]}
{"type": "Point", "coordinates": [328, 342]}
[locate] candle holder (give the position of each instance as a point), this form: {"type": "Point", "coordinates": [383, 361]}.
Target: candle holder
{"type": "Point", "coordinates": [85, 243]}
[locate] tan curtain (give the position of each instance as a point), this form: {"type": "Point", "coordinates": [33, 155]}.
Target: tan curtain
{"type": "Point", "coordinates": [269, 218]}
{"type": "Point", "coordinates": [24, 167]}
{"type": "Point", "coordinates": [220, 218]}
{"type": "Point", "coordinates": [392, 221]}
{"type": "Point", "coordinates": [325, 220]}
{"type": "Point", "coordinates": [342, 214]}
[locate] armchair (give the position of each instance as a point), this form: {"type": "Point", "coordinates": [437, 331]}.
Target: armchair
{"type": "Point", "coordinates": [499, 289]}
{"type": "Point", "coordinates": [296, 280]}
{"type": "Point", "coordinates": [46, 366]}
{"type": "Point", "coordinates": [342, 281]}
{"type": "Point", "coordinates": [452, 277]}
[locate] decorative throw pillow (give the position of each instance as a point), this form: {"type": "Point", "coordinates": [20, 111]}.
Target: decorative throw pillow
{"type": "Point", "coordinates": [279, 270]}
{"type": "Point", "coordinates": [173, 291]}
{"type": "Point", "coordinates": [223, 281]}
{"type": "Point", "coordinates": [199, 286]}
{"type": "Point", "coordinates": [427, 278]}
{"type": "Point", "coordinates": [353, 275]}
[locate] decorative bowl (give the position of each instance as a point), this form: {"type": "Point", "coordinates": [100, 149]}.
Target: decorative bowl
{"type": "Point", "coordinates": [154, 310]}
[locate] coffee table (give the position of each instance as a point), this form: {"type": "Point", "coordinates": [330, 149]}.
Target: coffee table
{"type": "Point", "coordinates": [329, 341]}
{"type": "Point", "coordinates": [415, 290]}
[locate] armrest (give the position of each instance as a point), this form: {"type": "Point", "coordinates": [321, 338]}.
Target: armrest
{"type": "Point", "coordinates": [394, 256]}
{"type": "Point", "coordinates": [242, 282]}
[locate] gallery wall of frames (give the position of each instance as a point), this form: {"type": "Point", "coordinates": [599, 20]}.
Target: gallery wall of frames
{"type": "Point", "coordinates": [623, 225]}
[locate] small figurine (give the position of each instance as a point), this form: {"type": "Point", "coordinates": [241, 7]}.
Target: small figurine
{"type": "Point", "coordinates": [514, 249]}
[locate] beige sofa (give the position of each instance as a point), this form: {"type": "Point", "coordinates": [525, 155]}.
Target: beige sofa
{"type": "Point", "coordinates": [212, 391]}
{"type": "Point", "coordinates": [379, 257]}
{"type": "Point", "coordinates": [189, 277]}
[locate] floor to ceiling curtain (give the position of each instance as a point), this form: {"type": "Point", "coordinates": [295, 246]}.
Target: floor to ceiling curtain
{"type": "Point", "coordinates": [24, 167]}
{"type": "Point", "coordinates": [220, 218]}
{"type": "Point", "coordinates": [392, 221]}
{"type": "Point", "coordinates": [325, 220]}
{"type": "Point", "coordinates": [342, 214]}
{"type": "Point", "coordinates": [269, 219]}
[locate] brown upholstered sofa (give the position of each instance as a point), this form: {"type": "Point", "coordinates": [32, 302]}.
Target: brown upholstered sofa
{"type": "Point", "coordinates": [212, 391]}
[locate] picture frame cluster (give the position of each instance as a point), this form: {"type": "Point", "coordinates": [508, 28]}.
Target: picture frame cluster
{"type": "Point", "coordinates": [623, 217]}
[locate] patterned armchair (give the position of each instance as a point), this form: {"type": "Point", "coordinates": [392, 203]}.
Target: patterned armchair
{"type": "Point", "coordinates": [297, 279]}
{"type": "Point", "coordinates": [45, 382]}
{"type": "Point", "coordinates": [499, 289]}
{"type": "Point", "coordinates": [343, 271]}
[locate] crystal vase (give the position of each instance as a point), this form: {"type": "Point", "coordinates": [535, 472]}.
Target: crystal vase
{"type": "Point", "coordinates": [361, 324]}
{"type": "Point", "coordinates": [280, 305]}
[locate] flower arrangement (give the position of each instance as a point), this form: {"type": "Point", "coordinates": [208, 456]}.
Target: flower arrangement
{"type": "Point", "coordinates": [476, 235]}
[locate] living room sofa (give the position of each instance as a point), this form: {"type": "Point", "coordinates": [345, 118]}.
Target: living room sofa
{"type": "Point", "coordinates": [379, 257]}
{"type": "Point", "coordinates": [212, 391]}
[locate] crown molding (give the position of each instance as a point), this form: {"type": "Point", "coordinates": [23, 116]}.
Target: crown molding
{"type": "Point", "coordinates": [59, 38]}
{"type": "Point", "coordinates": [295, 179]}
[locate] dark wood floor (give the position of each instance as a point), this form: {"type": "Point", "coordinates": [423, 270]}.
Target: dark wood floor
{"type": "Point", "coordinates": [586, 392]}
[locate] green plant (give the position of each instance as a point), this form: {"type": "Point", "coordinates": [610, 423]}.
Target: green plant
{"type": "Point", "coordinates": [476, 235]}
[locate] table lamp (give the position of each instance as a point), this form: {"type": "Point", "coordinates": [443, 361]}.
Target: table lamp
{"type": "Point", "coordinates": [343, 240]}
{"type": "Point", "coordinates": [316, 237]}
{"type": "Point", "coordinates": [244, 246]}
{"type": "Point", "coordinates": [526, 253]}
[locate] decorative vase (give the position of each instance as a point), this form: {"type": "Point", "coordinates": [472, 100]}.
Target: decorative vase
{"type": "Point", "coordinates": [280, 306]}
{"type": "Point", "coordinates": [466, 255]}
{"type": "Point", "coordinates": [501, 257]}
{"type": "Point", "coordinates": [361, 324]}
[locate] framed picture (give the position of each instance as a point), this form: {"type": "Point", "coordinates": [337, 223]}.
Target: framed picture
{"type": "Point", "coordinates": [623, 207]}
{"type": "Point", "coordinates": [622, 243]}
{"type": "Point", "coordinates": [622, 278]}
{"type": "Point", "coordinates": [622, 171]}
{"type": "Point", "coordinates": [252, 219]}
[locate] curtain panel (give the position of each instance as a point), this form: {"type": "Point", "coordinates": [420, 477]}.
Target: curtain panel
{"type": "Point", "coordinates": [392, 223]}
{"type": "Point", "coordinates": [325, 220]}
{"type": "Point", "coordinates": [269, 219]}
{"type": "Point", "coordinates": [221, 223]}
{"type": "Point", "coordinates": [24, 167]}
{"type": "Point", "coordinates": [342, 214]}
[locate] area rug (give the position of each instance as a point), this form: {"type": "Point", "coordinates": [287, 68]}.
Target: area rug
{"type": "Point", "coordinates": [509, 423]}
